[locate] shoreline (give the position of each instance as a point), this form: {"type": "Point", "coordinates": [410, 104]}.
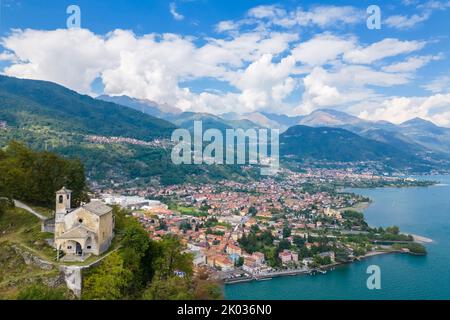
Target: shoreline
{"type": "Point", "coordinates": [294, 273]}
{"type": "Point", "coordinates": [421, 239]}
{"type": "Point", "coordinates": [360, 206]}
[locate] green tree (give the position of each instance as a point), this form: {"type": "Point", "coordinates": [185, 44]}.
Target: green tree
{"type": "Point", "coordinates": [172, 288]}
{"type": "Point", "coordinates": [284, 244]}
{"type": "Point", "coordinates": [35, 176]}
{"type": "Point", "coordinates": [38, 291]}
{"type": "Point", "coordinates": [171, 258]}
{"type": "Point", "coordinates": [286, 232]}
{"type": "Point", "coordinates": [299, 241]}
{"type": "Point", "coordinates": [393, 230]}
{"type": "Point", "coordinates": [108, 281]}
{"type": "Point", "coordinates": [253, 211]}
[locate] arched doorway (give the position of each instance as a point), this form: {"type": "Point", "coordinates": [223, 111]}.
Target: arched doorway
{"type": "Point", "coordinates": [78, 249]}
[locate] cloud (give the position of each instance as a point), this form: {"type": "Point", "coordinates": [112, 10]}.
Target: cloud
{"type": "Point", "coordinates": [386, 48]}
{"type": "Point", "coordinates": [261, 63]}
{"type": "Point", "coordinates": [266, 16]}
{"type": "Point", "coordinates": [73, 58]}
{"type": "Point", "coordinates": [406, 22]}
{"type": "Point", "coordinates": [271, 11]}
{"type": "Point", "coordinates": [425, 9]}
{"type": "Point", "coordinates": [174, 13]}
{"type": "Point", "coordinates": [344, 85]}
{"type": "Point", "coordinates": [225, 26]}
{"type": "Point", "coordinates": [411, 64]}
{"type": "Point", "coordinates": [438, 85]}
{"type": "Point", "coordinates": [264, 82]}
{"type": "Point", "coordinates": [311, 52]}
{"type": "Point", "coordinates": [153, 66]}
{"type": "Point", "coordinates": [326, 16]}
{"type": "Point", "coordinates": [400, 109]}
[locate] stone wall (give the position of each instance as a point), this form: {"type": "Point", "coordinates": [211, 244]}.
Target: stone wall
{"type": "Point", "coordinates": [73, 279]}
{"type": "Point", "coordinates": [48, 225]}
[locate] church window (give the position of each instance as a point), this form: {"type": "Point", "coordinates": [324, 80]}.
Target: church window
{"type": "Point", "coordinates": [80, 220]}
{"type": "Point", "coordinates": [61, 199]}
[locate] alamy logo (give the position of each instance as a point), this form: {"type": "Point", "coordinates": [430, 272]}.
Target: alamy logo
{"type": "Point", "coordinates": [374, 18]}
{"type": "Point", "coordinates": [74, 20]}
{"type": "Point", "coordinates": [374, 280]}
{"type": "Point", "coordinates": [241, 147]}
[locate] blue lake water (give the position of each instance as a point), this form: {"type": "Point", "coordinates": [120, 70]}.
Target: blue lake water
{"type": "Point", "coordinates": [422, 211]}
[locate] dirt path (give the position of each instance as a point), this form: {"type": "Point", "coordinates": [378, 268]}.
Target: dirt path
{"type": "Point", "coordinates": [22, 205]}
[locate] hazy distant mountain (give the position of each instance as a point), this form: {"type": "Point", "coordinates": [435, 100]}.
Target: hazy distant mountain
{"type": "Point", "coordinates": [421, 125]}
{"type": "Point", "coordinates": [417, 135]}
{"type": "Point", "coordinates": [186, 120]}
{"type": "Point", "coordinates": [179, 118]}
{"type": "Point", "coordinates": [395, 139]}
{"type": "Point", "coordinates": [258, 118]}
{"type": "Point", "coordinates": [284, 120]}
{"type": "Point", "coordinates": [145, 106]}
{"type": "Point", "coordinates": [329, 118]}
{"type": "Point", "coordinates": [427, 134]}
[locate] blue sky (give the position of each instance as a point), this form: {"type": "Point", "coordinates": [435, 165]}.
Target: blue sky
{"type": "Point", "coordinates": [289, 57]}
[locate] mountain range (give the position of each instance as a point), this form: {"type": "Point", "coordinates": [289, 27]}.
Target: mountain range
{"type": "Point", "coordinates": [416, 136]}
{"type": "Point", "coordinates": [179, 118]}
{"type": "Point", "coordinates": [48, 116]}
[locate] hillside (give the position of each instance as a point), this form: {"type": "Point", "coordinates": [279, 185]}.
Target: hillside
{"type": "Point", "coordinates": [46, 116]}
{"type": "Point", "coordinates": [25, 256]}
{"type": "Point", "coordinates": [338, 145]}
{"type": "Point", "coordinates": [28, 103]}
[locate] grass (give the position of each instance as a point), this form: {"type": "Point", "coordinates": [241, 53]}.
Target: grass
{"type": "Point", "coordinates": [16, 220]}
{"type": "Point", "coordinates": [189, 211]}
{"type": "Point", "coordinates": [15, 274]}
{"type": "Point", "coordinates": [23, 228]}
{"type": "Point", "coordinates": [44, 211]}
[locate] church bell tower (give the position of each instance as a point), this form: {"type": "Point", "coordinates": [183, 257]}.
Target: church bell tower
{"type": "Point", "coordinates": [63, 201]}
{"type": "Point", "coordinates": [63, 206]}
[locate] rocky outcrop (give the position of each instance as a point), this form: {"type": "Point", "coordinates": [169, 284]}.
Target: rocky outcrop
{"type": "Point", "coordinates": [31, 259]}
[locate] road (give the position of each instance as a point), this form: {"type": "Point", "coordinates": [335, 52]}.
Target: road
{"type": "Point", "coordinates": [243, 221]}
{"type": "Point", "coordinates": [22, 205]}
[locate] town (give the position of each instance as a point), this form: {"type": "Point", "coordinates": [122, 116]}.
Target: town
{"type": "Point", "coordinates": [290, 224]}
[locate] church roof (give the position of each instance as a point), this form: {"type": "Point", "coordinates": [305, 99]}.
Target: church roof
{"type": "Point", "coordinates": [64, 191]}
{"type": "Point", "coordinates": [97, 208]}
{"type": "Point", "coordinates": [78, 232]}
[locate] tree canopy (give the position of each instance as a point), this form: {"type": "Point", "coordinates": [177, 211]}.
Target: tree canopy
{"type": "Point", "coordinates": [145, 269]}
{"type": "Point", "coordinates": [34, 177]}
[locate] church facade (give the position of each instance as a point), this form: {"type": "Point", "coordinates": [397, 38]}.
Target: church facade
{"type": "Point", "coordinates": [81, 232]}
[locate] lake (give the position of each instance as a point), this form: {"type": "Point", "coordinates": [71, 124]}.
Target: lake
{"type": "Point", "coordinates": [422, 211]}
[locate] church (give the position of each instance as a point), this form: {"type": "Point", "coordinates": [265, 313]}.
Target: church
{"type": "Point", "coordinates": [83, 231]}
